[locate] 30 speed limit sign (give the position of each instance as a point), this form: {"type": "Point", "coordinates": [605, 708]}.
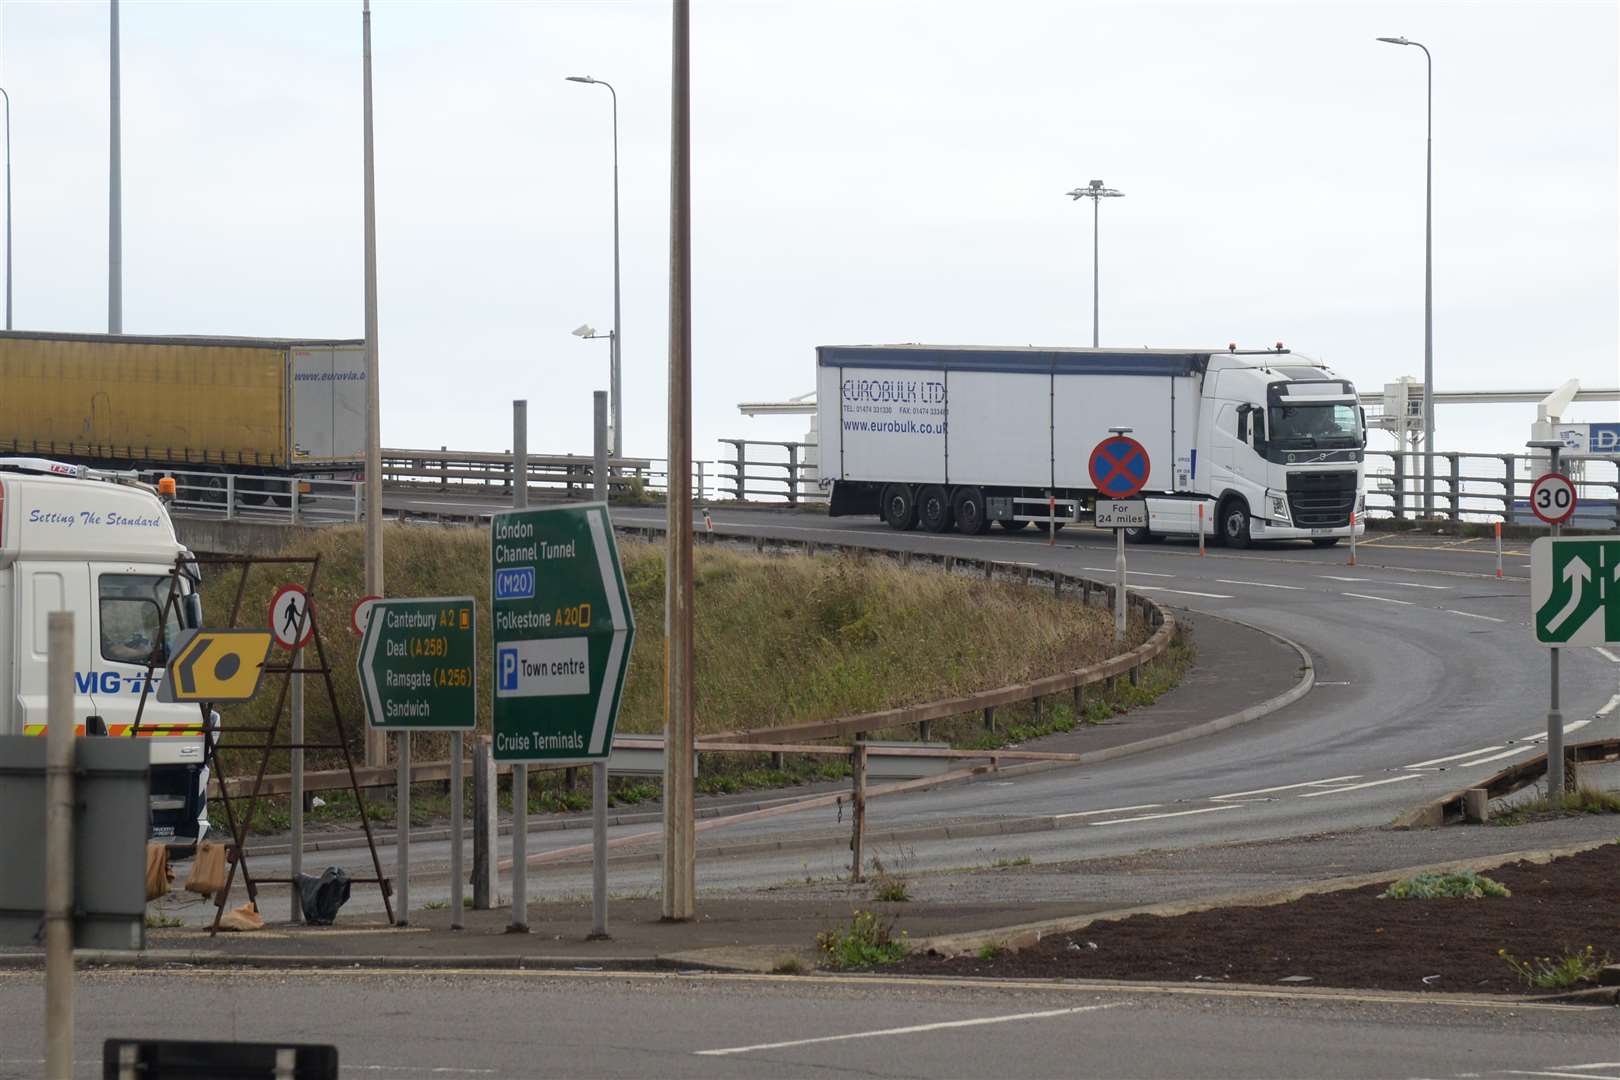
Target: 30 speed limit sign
{"type": "Point", "coordinates": [1552, 497]}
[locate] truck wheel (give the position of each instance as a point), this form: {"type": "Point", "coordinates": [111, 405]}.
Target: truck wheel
{"type": "Point", "coordinates": [1139, 536]}
{"type": "Point", "coordinates": [968, 506]}
{"type": "Point", "coordinates": [1011, 525]}
{"type": "Point", "coordinates": [900, 507]}
{"type": "Point", "coordinates": [1235, 523]}
{"type": "Point", "coordinates": [1324, 541]}
{"type": "Point", "coordinates": [934, 509]}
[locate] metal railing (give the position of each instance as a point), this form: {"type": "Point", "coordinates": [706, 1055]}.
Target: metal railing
{"type": "Point", "coordinates": [566, 475]}
{"type": "Point", "coordinates": [274, 499]}
{"type": "Point", "coordinates": [793, 471]}
{"type": "Point", "coordinates": [1490, 487]}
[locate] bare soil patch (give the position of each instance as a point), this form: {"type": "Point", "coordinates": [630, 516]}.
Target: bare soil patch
{"type": "Point", "coordinates": [1347, 939]}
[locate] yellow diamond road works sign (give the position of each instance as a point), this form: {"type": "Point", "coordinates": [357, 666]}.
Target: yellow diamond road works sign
{"type": "Point", "coordinates": [216, 665]}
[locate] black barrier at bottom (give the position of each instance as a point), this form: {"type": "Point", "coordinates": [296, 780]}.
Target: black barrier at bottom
{"type": "Point", "coordinates": [173, 1059]}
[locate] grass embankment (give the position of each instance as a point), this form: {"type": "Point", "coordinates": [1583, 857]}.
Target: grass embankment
{"type": "Point", "coordinates": [780, 639]}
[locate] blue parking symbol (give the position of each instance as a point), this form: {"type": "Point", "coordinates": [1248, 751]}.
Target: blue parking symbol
{"type": "Point", "coordinates": [507, 674]}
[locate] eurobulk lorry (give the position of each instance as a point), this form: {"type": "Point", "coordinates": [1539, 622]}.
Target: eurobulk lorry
{"type": "Point", "coordinates": [103, 549]}
{"type": "Point", "coordinates": [211, 405]}
{"type": "Point", "coordinates": [1264, 445]}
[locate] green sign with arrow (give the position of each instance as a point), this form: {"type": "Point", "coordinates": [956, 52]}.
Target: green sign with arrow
{"type": "Point", "coordinates": [418, 664]}
{"type": "Point", "coordinates": [1575, 590]}
{"type": "Point", "coordinates": [563, 630]}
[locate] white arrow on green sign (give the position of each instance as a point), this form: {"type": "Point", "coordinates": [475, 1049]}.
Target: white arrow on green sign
{"type": "Point", "coordinates": [418, 664]}
{"type": "Point", "coordinates": [1575, 590]}
{"type": "Point", "coordinates": [563, 630]}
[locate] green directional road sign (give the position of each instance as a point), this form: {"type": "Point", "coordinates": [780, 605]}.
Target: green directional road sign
{"type": "Point", "coordinates": [563, 629]}
{"type": "Point", "coordinates": [418, 662]}
{"type": "Point", "coordinates": [1575, 590]}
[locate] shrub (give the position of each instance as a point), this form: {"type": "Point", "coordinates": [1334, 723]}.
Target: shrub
{"type": "Point", "coordinates": [1464, 885]}
{"type": "Point", "coordinates": [867, 943]}
{"type": "Point", "coordinates": [1557, 972]}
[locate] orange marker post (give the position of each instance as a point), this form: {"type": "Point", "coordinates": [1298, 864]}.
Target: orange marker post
{"type": "Point", "coordinates": [1200, 528]}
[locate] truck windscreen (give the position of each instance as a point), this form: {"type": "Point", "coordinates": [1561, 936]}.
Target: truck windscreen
{"type": "Point", "coordinates": [1315, 425]}
{"type": "Point", "coordinates": [131, 609]}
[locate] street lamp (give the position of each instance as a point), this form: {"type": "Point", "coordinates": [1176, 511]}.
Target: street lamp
{"type": "Point", "coordinates": [614, 381]}
{"type": "Point", "coordinates": [1094, 192]}
{"type": "Point", "coordinates": [1428, 289]}
{"type": "Point", "coordinates": [588, 332]}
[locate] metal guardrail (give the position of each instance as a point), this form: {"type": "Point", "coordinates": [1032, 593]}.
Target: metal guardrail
{"type": "Point", "coordinates": [271, 499]}
{"type": "Point", "coordinates": [1494, 487]}
{"type": "Point", "coordinates": [798, 478]}
{"type": "Point", "coordinates": [567, 475]}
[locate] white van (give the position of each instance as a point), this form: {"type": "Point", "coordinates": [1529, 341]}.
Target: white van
{"type": "Point", "coordinates": [100, 545]}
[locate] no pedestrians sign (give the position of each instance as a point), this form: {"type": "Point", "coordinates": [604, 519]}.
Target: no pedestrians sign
{"type": "Point", "coordinates": [563, 630]}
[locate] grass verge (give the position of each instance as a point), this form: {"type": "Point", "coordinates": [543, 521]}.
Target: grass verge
{"type": "Point", "coordinates": [1584, 800]}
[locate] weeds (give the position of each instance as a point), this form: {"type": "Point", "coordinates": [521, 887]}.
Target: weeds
{"type": "Point", "coordinates": [992, 950]}
{"type": "Point", "coordinates": [1583, 800]}
{"type": "Point", "coordinates": [156, 921]}
{"type": "Point", "coordinates": [868, 942]}
{"type": "Point", "coordinates": [1003, 864]}
{"type": "Point", "coordinates": [1557, 972]}
{"type": "Point", "coordinates": [890, 885]}
{"type": "Point", "coordinates": [1465, 885]}
{"type": "Point", "coordinates": [788, 964]}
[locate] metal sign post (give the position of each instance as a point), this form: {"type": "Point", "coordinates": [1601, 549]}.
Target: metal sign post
{"type": "Point", "coordinates": [1552, 498]}
{"type": "Point", "coordinates": [563, 631]}
{"type": "Point", "coordinates": [417, 667]}
{"type": "Point", "coordinates": [520, 771]}
{"type": "Point", "coordinates": [59, 846]}
{"type": "Point", "coordinates": [1119, 468]}
{"type": "Point", "coordinates": [599, 770]}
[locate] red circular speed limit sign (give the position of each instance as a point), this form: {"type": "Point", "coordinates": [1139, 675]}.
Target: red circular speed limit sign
{"type": "Point", "coordinates": [1552, 497]}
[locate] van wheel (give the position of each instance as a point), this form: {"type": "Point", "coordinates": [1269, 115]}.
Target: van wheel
{"type": "Point", "coordinates": [1140, 536]}
{"type": "Point", "coordinates": [968, 506]}
{"type": "Point", "coordinates": [900, 507]}
{"type": "Point", "coordinates": [934, 509]}
{"type": "Point", "coordinates": [1234, 519]}
{"type": "Point", "coordinates": [1324, 541]}
{"type": "Point", "coordinates": [1011, 525]}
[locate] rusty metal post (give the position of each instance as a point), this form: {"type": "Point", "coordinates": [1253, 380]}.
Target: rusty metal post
{"type": "Point", "coordinates": [858, 817]}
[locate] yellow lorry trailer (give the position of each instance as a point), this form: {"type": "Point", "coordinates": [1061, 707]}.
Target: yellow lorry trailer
{"type": "Point", "coordinates": [259, 406]}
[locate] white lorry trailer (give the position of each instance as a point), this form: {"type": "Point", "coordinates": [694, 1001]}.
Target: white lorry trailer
{"type": "Point", "coordinates": [102, 547]}
{"type": "Point", "coordinates": [1268, 445]}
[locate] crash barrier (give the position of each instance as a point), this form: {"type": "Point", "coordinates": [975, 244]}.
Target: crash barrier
{"type": "Point", "coordinates": [1490, 487]}
{"type": "Point", "coordinates": [789, 468]}
{"type": "Point", "coordinates": [568, 476]}
{"type": "Point", "coordinates": [1470, 803]}
{"type": "Point", "coordinates": [277, 500]}
{"type": "Point", "coordinates": [786, 739]}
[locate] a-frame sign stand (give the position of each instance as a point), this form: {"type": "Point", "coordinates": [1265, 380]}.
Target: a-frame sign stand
{"type": "Point", "coordinates": [262, 738]}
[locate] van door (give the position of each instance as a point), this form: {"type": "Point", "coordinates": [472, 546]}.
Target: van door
{"type": "Point", "coordinates": [41, 588]}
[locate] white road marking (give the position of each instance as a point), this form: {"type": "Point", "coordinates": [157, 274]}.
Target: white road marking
{"type": "Point", "coordinates": [1614, 703]}
{"type": "Point", "coordinates": [915, 1029]}
{"type": "Point", "coordinates": [1455, 757]}
{"type": "Point", "coordinates": [1385, 599]}
{"type": "Point", "coordinates": [1182, 592]}
{"type": "Point", "coordinates": [1175, 813]}
{"type": "Point", "coordinates": [1593, 1065]}
{"type": "Point", "coordinates": [1336, 577]}
{"type": "Point", "coordinates": [1358, 787]}
{"type": "Point", "coordinates": [1260, 584]}
{"type": "Point", "coordinates": [1607, 655]}
{"type": "Point", "coordinates": [1471, 615]}
{"type": "Point", "coordinates": [1578, 1075]}
{"type": "Point", "coordinates": [1409, 584]}
{"type": "Point", "coordinates": [1115, 810]}
{"type": "Point", "coordinates": [1497, 757]}
{"type": "Point", "coordinates": [1115, 570]}
{"type": "Point", "coordinates": [1285, 787]}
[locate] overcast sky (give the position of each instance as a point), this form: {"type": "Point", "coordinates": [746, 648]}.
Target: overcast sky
{"type": "Point", "coordinates": [863, 171]}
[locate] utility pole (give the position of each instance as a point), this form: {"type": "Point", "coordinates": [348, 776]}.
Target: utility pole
{"type": "Point", "coordinates": [115, 199]}
{"type": "Point", "coordinates": [520, 770]}
{"type": "Point", "coordinates": [376, 739]}
{"type": "Point", "coordinates": [680, 836]}
{"type": "Point", "coordinates": [8, 205]}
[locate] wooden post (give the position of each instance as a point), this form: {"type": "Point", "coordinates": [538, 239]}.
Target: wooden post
{"type": "Point", "coordinates": [858, 818]}
{"type": "Point", "coordinates": [990, 718]}
{"type": "Point", "coordinates": [1136, 675]}
{"type": "Point", "coordinates": [1079, 703]}
{"type": "Point", "coordinates": [925, 729]}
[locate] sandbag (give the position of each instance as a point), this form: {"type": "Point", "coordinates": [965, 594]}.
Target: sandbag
{"type": "Point", "coordinates": [158, 875]}
{"type": "Point", "coordinates": [207, 869]}
{"type": "Point", "coordinates": [321, 897]}
{"type": "Point", "coordinates": [246, 917]}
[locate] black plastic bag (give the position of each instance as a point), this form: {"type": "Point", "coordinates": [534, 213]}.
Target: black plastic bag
{"type": "Point", "coordinates": [321, 897]}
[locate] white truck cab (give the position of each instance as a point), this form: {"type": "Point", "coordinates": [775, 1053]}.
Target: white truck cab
{"type": "Point", "coordinates": [101, 546]}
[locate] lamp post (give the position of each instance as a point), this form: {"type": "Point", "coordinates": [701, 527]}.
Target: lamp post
{"type": "Point", "coordinates": [1095, 192]}
{"type": "Point", "coordinates": [613, 383]}
{"type": "Point", "coordinates": [1428, 288]}
{"type": "Point", "coordinates": [587, 332]}
{"type": "Point", "coordinates": [8, 205]}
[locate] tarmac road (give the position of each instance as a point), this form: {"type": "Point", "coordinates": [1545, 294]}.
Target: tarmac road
{"type": "Point", "coordinates": [1427, 677]}
{"type": "Point", "coordinates": [411, 1024]}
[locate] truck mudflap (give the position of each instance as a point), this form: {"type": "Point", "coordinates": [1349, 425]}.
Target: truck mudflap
{"type": "Point", "coordinates": [850, 499]}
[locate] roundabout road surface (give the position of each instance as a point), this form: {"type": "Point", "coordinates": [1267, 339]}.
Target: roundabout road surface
{"type": "Point", "coordinates": [1426, 678]}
